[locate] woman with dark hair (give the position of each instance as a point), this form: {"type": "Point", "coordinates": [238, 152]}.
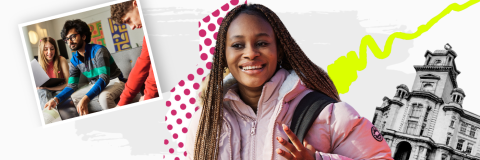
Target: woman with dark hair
{"type": "Point", "coordinates": [54, 65]}
{"type": "Point", "coordinates": [247, 115]}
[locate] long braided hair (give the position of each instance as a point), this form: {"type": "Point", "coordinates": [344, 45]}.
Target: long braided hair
{"type": "Point", "coordinates": [210, 125]}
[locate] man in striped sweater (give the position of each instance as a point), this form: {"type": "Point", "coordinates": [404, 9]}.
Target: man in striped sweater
{"type": "Point", "coordinates": [94, 62]}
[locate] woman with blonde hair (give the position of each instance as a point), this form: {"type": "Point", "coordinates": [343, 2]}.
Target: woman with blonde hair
{"type": "Point", "coordinates": [248, 114]}
{"type": "Point", "coordinates": [54, 65]}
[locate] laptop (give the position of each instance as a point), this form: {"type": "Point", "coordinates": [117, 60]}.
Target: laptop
{"type": "Point", "coordinates": [41, 78]}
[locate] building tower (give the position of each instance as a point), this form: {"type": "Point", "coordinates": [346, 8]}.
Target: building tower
{"type": "Point", "coordinates": [428, 121]}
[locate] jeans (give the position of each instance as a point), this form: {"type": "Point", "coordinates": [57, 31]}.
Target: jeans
{"type": "Point", "coordinates": [45, 96]}
{"type": "Point", "coordinates": [106, 98]}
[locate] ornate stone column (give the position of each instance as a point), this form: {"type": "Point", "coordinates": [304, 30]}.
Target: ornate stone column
{"type": "Point", "coordinates": [422, 153]}
{"type": "Point", "coordinates": [414, 152]}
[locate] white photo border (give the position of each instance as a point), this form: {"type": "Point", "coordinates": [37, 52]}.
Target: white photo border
{"type": "Point", "coordinates": [24, 43]}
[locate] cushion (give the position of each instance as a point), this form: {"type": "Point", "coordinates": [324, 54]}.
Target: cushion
{"type": "Point", "coordinates": [125, 60]}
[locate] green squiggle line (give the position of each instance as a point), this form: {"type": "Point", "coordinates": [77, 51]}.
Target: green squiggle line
{"type": "Point", "coordinates": [343, 71]}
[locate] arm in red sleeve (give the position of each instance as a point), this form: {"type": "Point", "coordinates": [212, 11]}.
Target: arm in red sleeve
{"type": "Point", "coordinates": [150, 86]}
{"type": "Point", "coordinates": [137, 76]}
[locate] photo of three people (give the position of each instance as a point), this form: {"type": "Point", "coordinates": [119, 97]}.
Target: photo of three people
{"type": "Point", "coordinates": [100, 71]}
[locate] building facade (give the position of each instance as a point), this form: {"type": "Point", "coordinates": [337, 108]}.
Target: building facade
{"type": "Point", "coordinates": [428, 122]}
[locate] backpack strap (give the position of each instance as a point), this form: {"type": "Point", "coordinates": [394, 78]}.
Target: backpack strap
{"type": "Point", "coordinates": [307, 111]}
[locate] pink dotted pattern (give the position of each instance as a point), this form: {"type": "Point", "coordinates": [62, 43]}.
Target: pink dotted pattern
{"type": "Point", "coordinates": [182, 102]}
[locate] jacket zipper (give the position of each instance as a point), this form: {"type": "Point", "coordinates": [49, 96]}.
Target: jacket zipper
{"type": "Point", "coordinates": [278, 112]}
{"type": "Point", "coordinates": [253, 130]}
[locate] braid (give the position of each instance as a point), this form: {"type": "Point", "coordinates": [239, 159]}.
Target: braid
{"type": "Point", "coordinates": [210, 125]}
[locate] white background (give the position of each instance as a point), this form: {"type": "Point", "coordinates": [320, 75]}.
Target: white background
{"type": "Point", "coordinates": [325, 30]}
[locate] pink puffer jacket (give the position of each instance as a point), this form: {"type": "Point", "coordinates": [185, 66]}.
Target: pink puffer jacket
{"type": "Point", "coordinates": [338, 132]}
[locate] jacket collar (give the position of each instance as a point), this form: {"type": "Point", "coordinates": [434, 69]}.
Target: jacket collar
{"type": "Point", "coordinates": [230, 83]}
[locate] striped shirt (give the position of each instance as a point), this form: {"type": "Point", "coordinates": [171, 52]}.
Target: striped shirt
{"type": "Point", "coordinates": [97, 65]}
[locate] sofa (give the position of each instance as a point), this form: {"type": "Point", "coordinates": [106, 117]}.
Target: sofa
{"type": "Point", "coordinates": [125, 61]}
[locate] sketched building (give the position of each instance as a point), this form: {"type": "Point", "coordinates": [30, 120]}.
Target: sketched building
{"type": "Point", "coordinates": [428, 122]}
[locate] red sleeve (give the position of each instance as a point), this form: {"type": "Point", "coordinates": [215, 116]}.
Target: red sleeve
{"type": "Point", "coordinates": [137, 76]}
{"type": "Point", "coordinates": [150, 86]}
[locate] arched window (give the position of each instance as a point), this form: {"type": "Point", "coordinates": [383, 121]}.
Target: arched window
{"type": "Point", "coordinates": [403, 151]}
{"type": "Point", "coordinates": [428, 87]}
{"type": "Point", "coordinates": [444, 156]}
{"type": "Point", "coordinates": [437, 62]}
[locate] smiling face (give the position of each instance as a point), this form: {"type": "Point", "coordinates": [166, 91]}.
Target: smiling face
{"type": "Point", "coordinates": [251, 50]}
{"type": "Point", "coordinates": [76, 40]}
{"type": "Point", "coordinates": [132, 17]}
{"type": "Point", "coordinates": [49, 51]}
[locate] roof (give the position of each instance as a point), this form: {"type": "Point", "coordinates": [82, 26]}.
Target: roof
{"type": "Point", "coordinates": [458, 90]}
{"type": "Point", "coordinates": [403, 86]}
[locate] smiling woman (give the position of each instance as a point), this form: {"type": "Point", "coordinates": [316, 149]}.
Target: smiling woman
{"type": "Point", "coordinates": [54, 65]}
{"type": "Point", "coordinates": [270, 74]}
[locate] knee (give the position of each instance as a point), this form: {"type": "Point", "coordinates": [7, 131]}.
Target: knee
{"type": "Point", "coordinates": [77, 97]}
{"type": "Point", "coordinates": [94, 106]}
{"type": "Point", "coordinates": [107, 100]}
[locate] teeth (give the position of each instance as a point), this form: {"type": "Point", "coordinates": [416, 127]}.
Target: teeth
{"type": "Point", "coordinates": [251, 67]}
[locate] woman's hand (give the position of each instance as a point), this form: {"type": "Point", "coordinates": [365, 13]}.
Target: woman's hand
{"type": "Point", "coordinates": [82, 106]}
{"type": "Point", "coordinates": [41, 88]}
{"type": "Point", "coordinates": [297, 150]}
